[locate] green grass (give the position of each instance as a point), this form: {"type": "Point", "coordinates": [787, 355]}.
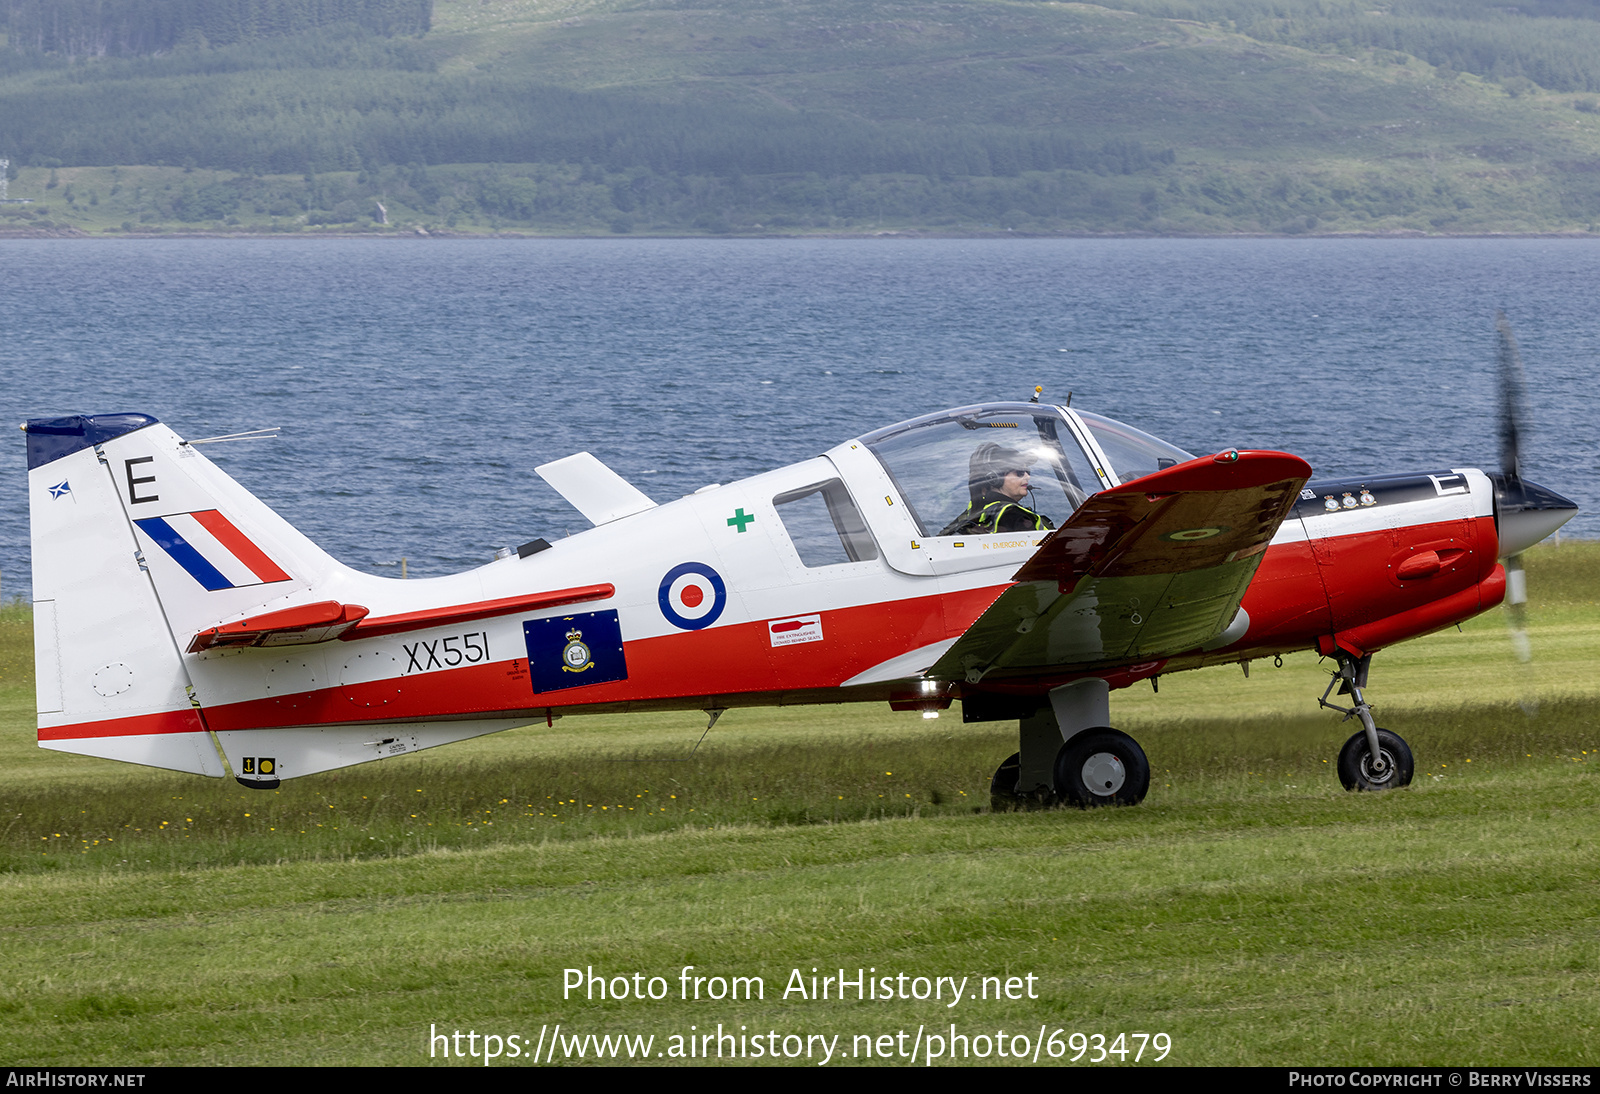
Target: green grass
{"type": "Point", "coordinates": [1249, 908]}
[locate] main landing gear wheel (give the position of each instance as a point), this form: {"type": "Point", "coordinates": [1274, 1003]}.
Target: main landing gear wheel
{"type": "Point", "coordinates": [1102, 767]}
{"type": "Point", "coordinates": [1394, 768]}
{"type": "Point", "coordinates": [1003, 796]}
{"type": "Point", "coordinates": [1003, 787]}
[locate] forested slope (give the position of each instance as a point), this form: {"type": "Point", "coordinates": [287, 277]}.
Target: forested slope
{"type": "Point", "coordinates": [755, 115]}
{"type": "Point", "coordinates": [142, 28]}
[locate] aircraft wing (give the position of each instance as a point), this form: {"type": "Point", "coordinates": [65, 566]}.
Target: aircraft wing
{"type": "Point", "coordinates": [1143, 571]}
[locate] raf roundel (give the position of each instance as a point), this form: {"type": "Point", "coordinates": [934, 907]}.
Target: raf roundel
{"type": "Point", "coordinates": [692, 596]}
{"type": "Point", "coordinates": [1189, 535]}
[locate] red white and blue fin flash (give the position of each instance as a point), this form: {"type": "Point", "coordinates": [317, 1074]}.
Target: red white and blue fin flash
{"type": "Point", "coordinates": [212, 550]}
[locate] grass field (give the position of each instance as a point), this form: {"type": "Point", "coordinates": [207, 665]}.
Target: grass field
{"type": "Point", "coordinates": [1250, 909]}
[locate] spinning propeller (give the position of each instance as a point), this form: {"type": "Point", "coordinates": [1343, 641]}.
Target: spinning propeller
{"type": "Point", "coordinates": [1525, 512]}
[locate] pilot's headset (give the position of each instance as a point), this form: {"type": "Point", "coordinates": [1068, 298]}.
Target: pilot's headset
{"type": "Point", "coordinates": [988, 466]}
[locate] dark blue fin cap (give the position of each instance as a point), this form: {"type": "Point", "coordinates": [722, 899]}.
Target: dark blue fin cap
{"type": "Point", "coordinates": [51, 438]}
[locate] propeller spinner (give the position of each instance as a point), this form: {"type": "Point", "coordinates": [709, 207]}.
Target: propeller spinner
{"type": "Point", "coordinates": [1525, 512]}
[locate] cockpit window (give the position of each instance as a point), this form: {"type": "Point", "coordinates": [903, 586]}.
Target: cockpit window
{"type": "Point", "coordinates": [824, 525]}
{"type": "Point", "coordinates": [1132, 452]}
{"type": "Point", "coordinates": [983, 469]}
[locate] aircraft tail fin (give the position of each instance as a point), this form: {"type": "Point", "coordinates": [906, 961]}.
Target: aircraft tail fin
{"type": "Point", "coordinates": [139, 542]}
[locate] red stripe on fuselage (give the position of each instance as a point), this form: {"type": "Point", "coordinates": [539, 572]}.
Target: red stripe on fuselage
{"type": "Point", "coordinates": [140, 725]}
{"type": "Point", "coordinates": [729, 660]}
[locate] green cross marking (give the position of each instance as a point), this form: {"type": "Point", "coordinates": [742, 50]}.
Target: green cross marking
{"type": "Point", "coordinates": [739, 519]}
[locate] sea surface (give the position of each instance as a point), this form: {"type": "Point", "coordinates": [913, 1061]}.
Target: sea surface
{"type": "Point", "coordinates": [418, 383]}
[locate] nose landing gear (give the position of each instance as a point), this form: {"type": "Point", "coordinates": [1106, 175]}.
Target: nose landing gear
{"type": "Point", "coordinates": [1373, 758]}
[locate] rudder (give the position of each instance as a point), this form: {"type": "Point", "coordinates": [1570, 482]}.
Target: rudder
{"type": "Point", "coordinates": [138, 542]}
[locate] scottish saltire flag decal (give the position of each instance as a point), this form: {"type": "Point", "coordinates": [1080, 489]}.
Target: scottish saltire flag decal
{"type": "Point", "coordinates": [215, 553]}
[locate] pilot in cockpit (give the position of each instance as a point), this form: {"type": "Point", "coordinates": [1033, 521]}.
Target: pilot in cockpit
{"type": "Point", "coordinates": [998, 480]}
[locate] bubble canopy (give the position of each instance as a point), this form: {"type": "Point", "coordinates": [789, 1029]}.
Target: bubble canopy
{"type": "Point", "coordinates": [1041, 459]}
{"type": "Point", "coordinates": [1133, 452]}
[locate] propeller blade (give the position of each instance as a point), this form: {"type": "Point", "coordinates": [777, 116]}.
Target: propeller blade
{"type": "Point", "coordinates": [1516, 606]}
{"type": "Point", "coordinates": [1517, 509]}
{"type": "Point", "coordinates": [1511, 388]}
{"type": "Point", "coordinates": [1525, 512]}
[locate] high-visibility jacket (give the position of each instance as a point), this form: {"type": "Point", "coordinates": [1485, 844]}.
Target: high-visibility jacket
{"type": "Point", "coordinates": [1000, 515]}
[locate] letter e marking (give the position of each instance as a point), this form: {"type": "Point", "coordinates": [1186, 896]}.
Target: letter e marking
{"type": "Point", "coordinates": [134, 497]}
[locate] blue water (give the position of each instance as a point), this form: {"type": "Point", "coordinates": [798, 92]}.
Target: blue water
{"type": "Point", "coordinates": [418, 383]}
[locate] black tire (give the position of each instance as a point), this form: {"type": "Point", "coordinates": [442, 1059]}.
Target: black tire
{"type": "Point", "coordinates": [1355, 762]}
{"type": "Point", "coordinates": [1003, 787]}
{"type": "Point", "coordinates": [1102, 767]}
{"type": "Point", "coordinates": [1003, 796]}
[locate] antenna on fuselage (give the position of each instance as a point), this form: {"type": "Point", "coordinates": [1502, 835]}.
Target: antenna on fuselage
{"type": "Point", "coordinates": [1038, 390]}
{"type": "Point", "coordinates": [269, 433]}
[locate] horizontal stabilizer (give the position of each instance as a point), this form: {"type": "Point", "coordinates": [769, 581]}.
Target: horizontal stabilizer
{"type": "Point", "coordinates": [594, 490]}
{"type": "Point", "coordinates": [374, 625]}
{"type": "Point", "coordinates": [328, 619]}
{"type": "Point", "coordinates": [303, 625]}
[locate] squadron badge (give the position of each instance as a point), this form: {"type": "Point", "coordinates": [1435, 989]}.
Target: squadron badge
{"type": "Point", "coordinates": [571, 651]}
{"type": "Point", "coordinates": [575, 656]}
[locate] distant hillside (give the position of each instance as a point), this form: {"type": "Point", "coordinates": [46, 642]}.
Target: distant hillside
{"type": "Point", "coordinates": [136, 28]}
{"type": "Point", "coordinates": [1552, 43]}
{"type": "Point", "coordinates": [833, 115]}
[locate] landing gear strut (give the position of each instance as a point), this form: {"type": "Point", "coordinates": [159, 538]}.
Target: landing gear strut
{"type": "Point", "coordinates": [1069, 755]}
{"type": "Point", "coordinates": [1373, 758]}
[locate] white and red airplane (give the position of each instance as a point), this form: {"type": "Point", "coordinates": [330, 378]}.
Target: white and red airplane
{"type": "Point", "coordinates": [181, 623]}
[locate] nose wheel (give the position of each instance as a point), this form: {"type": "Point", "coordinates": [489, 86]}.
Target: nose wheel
{"type": "Point", "coordinates": [1359, 770]}
{"type": "Point", "coordinates": [1372, 759]}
